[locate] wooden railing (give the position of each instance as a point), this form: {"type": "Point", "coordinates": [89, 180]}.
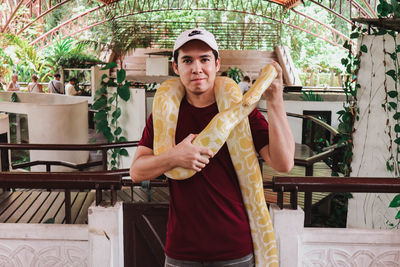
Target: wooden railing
{"type": "Point", "coordinates": [5, 147]}
{"type": "Point", "coordinates": [66, 181]}
{"type": "Point", "coordinates": [308, 185]}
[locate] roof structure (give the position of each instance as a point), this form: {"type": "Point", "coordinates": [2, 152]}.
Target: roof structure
{"type": "Point", "coordinates": [271, 12]}
{"type": "Point", "coordinates": [381, 23]}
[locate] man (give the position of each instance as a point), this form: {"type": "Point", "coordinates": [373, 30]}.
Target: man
{"type": "Point", "coordinates": [245, 84]}
{"type": "Point", "coordinates": [207, 218]}
{"type": "Point", "coordinates": [55, 86]}
{"type": "Point", "coordinates": [70, 88]}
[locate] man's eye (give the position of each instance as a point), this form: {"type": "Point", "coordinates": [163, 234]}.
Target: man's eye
{"type": "Point", "coordinates": [205, 59]}
{"type": "Point", "coordinates": [187, 61]}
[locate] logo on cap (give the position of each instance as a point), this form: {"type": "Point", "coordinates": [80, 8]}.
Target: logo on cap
{"type": "Point", "coordinates": [193, 33]}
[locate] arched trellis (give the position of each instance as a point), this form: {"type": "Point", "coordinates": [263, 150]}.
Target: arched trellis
{"type": "Point", "coordinates": [344, 9]}
{"type": "Point", "coordinates": [263, 9]}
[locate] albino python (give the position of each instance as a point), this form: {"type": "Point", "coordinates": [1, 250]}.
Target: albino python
{"type": "Point", "coordinates": [230, 125]}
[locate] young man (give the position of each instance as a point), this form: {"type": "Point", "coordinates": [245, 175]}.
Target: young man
{"type": "Point", "coordinates": [55, 86]}
{"type": "Point", "coordinates": [207, 218]}
{"type": "Point", "coordinates": [70, 88]}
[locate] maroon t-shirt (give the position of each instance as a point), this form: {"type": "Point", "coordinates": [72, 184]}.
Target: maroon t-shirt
{"type": "Point", "coordinates": [207, 218]}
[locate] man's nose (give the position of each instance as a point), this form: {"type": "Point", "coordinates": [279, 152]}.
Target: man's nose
{"type": "Point", "coordinates": [196, 67]}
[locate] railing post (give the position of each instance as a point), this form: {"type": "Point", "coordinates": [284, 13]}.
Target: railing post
{"type": "Point", "coordinates": [5, 164]}
{"type": "Point", "coordinates": [293, 199]}
{"type": "Point", "coordinates": [113, 195]}
{"type": "Point", "coordinates": [67, 203]}
{"type": "Point", "coordinates": [280, 198]}
{"type": "Point", "coordinates": [98, 195]}
{"type": "Point", "coordinates": [104, 158]}
{"type": "Point", "coordinates": [308, 198]}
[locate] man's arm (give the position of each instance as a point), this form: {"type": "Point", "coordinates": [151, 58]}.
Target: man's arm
{"type": "Point", "coordinates": [147, 166]}
{"type": "Point", "coordinates": [279, 153]}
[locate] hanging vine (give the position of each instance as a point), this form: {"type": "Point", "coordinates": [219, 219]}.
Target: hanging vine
{"type": "Point", "coordinates": [350, 111]}
{"type": "Point", "coordinates": [107, 104]}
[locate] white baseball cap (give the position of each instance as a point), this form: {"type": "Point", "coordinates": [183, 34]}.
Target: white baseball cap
{"type": "Point", "coordinates": [196, 34]}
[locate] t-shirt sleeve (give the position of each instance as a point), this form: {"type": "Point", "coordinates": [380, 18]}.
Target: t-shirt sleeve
{"type": "Point", "coordinates": [259, 129]}
{"type": "Point", "coordinates": [148, 134]}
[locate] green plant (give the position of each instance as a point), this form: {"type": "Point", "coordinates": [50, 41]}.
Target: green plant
{"type": "Point", "coordinates": [6, 66]}
{"type": "Point", "coordinates": [78, 59]}
{"type": "Point", "coordinates": [14, 97]}
{"type": "Point", "coordinates": [150, 87]}
{"type": "Point", "coordinates": [331, 211]}
{"type": "Point", "coordinates": [350, 111]}
{"type": "Point", "coordinates": [310, 96]}
{"type": "Point", "coordinates": [235, 74]}
{"type": "Point", "coordinates": [27, 60]}
{"type": "Point", "coordinates": [67, 53]}
{"type": "Point", "coordinates": [107, 104]}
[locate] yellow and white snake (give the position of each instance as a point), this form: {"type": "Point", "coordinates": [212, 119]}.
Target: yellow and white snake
{"type": "Point", "coordinates": [230, 125]}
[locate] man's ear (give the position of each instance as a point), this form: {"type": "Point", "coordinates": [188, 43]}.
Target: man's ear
{"type": "Point", "coordinates": [175, 67]}
{"type": "Point", "coordinates": [218, 64]}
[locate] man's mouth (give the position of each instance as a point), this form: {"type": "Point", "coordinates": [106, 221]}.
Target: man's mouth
{"type": "Point", "coordinates": [197, 79]}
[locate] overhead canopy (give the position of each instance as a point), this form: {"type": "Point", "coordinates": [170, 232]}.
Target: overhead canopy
{"type": "Point", "coordinates": [285, 3]}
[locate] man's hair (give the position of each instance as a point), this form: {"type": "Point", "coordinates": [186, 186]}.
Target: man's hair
{"type": "Point", "coordinates": [246, 78]}
{"type": "Point", "coordinates": [73, 80]}
{"type": "Point", "coordinates": [176, 54]}
{"type": "Point", "coordinates": [57, 75]}
{"type": "Point", "coordinates": [34, 77]}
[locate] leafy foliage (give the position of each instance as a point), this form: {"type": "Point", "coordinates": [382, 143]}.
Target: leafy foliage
{"type": "Point", "coordinates": [23, 58]}
{"type": "Point", "coordinates": [349, 114]}
{"type": "Point", "coordinates": [235, 74]}
{"type": "Point", "coordinates": [68, 53]}
{"type": "Point", "coordinates": [333, 214]}
{"type": "Point", "coordinates": [310, 96]}
{"type": "Point", "coordinates": [109, 112]}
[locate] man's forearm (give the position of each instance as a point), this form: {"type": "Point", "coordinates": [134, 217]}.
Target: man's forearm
{"type": "Point", "coordinates": [148, 167]}
{"type": "Point", "coordinates": [281, 141]}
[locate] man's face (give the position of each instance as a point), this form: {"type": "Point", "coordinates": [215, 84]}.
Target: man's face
{"type": "Point", "coordinates": [196, 67]}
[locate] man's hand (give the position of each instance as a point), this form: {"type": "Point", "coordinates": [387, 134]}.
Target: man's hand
{"type": "Point", "coordinates": [189, 156]}
{"type": "Point", "coordinates": [276, 88]}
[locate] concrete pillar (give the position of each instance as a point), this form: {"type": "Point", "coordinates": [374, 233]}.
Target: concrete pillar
{"type": "Point", "coordinates": [288, 227]}
{"type": "Point", "coordinates": [106, 242]}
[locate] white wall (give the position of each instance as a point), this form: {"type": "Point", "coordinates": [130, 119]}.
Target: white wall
{"type": "Point", "coordinates": [43, 245]}
{"type": "Point", "coordinates": [310, 247]}
{"type": "Point", "coordinates": [52, 119]}
{"type": "Point", "coordinates": [99, 243]}
{"type": "Point", "coordinates": [133, 120]}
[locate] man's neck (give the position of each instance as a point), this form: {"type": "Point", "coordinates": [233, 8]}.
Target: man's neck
{"type": "Point", "coordinates": [203, 100]}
